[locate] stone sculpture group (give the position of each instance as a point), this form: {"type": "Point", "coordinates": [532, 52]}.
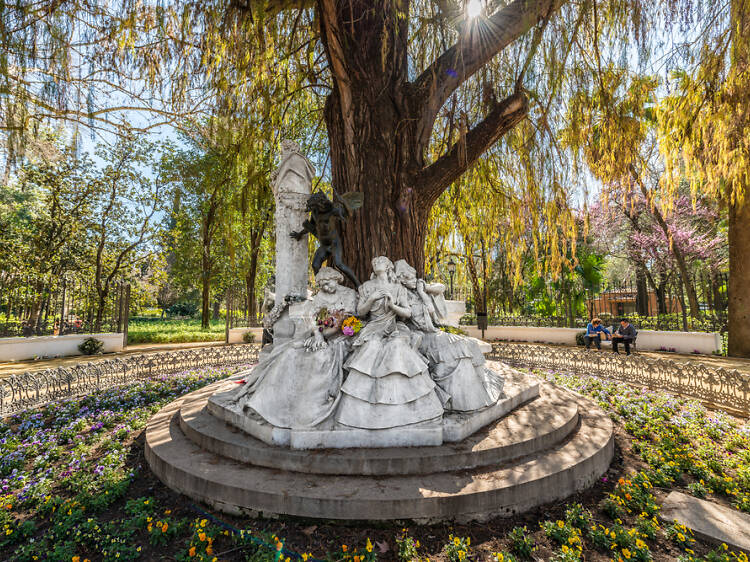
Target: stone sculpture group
{"type": "Point", "coordinates": [368, 362]}
{"type": "Point", "coordinates": [397, 370]}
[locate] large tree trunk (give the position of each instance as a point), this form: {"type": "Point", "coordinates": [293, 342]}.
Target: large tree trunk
{"type": "Point", "coordinates": [379, 124]}
{"type": "Point", "coordinates": [739, 278]}
{"type": "Point", "coordinates": [739, 210]}
{"type": "Point", "coordinates": [373, 143]}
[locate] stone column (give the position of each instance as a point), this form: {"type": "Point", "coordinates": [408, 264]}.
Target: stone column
{"type": "Point", "coordinates": [292, 183]}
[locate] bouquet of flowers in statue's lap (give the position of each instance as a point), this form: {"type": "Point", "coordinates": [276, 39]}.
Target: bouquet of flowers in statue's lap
{"type": "Point", "coordinates": [330, 321]}
{"type": "Point", "coordinates": [351, 326]}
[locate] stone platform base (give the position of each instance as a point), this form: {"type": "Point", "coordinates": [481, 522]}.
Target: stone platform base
{"type": "Point", "coordinates": [544, 450]}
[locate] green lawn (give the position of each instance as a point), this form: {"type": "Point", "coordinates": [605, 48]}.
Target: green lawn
{"type": "Point", "coordinates": [156, 330]}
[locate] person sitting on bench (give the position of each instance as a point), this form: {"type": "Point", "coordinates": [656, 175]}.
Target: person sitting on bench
{"type": "Point", "coordinates": [626, 334]}
{"type": "Point", "coordinates": [594, 333]}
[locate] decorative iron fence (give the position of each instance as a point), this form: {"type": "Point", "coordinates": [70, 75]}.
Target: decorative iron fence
{"type": "Point", "coordinates": [29, 390]}
{"type": "Point", "coordinates": [59, 305]}
{"type": "Point", "coordinates": [726, 389]}
{"type": "Point", "coordinates": [243, 310]}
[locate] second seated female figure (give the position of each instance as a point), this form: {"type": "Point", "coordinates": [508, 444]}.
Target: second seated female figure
{"type": "Point", "coordinates": [388, 384]}
{"type": "Point", "coordinates": [456, 363]}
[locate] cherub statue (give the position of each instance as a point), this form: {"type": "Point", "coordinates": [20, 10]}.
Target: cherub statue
{"type": "Point", "coordinates": [324, 224]}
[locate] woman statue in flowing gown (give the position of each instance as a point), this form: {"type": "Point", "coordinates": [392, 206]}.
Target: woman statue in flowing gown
{"type": "Point", "coordinates": [296, 384]}
{"type": "Point", "coordinates": [388, 384]}
{"type": "Point", "coordinates": [456, 363]}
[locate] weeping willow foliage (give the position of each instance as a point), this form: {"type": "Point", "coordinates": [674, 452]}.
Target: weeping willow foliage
{"type": "Point", "coordinates": [591, 71]}
{"type": "Point", "coordinates": [704, 123]}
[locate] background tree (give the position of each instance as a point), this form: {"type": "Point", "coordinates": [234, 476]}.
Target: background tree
{"type": "Point", "coordinates": [43, 218]}
{"type": "Point", "coordinates": [124, 206]}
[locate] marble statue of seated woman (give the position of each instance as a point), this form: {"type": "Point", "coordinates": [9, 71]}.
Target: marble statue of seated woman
{"type": "Point", "coordinates": [456, 363]}
{"type": "Point", "coordinates": [296, 384]}
{"type": "Point", "coordinates": [388, 384]}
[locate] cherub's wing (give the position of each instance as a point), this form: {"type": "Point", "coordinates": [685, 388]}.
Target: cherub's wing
{"type": "Point", "coordinates": [349, 201]}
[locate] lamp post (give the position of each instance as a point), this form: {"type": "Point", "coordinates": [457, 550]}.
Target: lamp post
{"type": "Point", "coordinates": [451, 272]}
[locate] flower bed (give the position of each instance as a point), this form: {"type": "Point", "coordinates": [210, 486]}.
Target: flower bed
{"type": "Point", "coordinates": [74, 487]}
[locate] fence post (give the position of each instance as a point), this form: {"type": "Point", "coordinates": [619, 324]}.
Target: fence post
{"type": "Point", "coordinates": [62, 308]}
{"type": "Point", "coordinates": [120, 302]}
{"type": "Point", "coordinates": [126, 314]}
{"type": "Point", "coordinates": [227, 315]}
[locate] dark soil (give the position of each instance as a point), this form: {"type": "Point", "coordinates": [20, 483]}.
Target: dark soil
{"type": "Point", "coordinates": [320, 537]}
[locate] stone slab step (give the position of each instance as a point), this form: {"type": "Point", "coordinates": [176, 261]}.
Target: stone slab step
{"type": "Point", "coordinates": [709, 521]}
{"type": "Point", "coordinates": [476, 494]}
{"type": "Point", "coordinates": [533, 427]}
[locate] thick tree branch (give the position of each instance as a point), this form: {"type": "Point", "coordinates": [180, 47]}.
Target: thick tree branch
{"type": "Point", "coordinates": [332, 40]}
{"type": "Point", "coordinates": [479, 42]}
{"type": "Point", "coordinates": [435, 178]}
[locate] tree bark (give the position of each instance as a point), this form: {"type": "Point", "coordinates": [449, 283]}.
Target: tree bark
{"type": "Point", "coordinates": [379, 124]}
{"type": "Point", "coordinates": [252, 301]}
{"type": "Point", "coordinates": [739, 207]}
{"type": "Point", "coordinates": [206, 270]}
{"type": "Point", "coordinates": [642, 300]}
{"type": "Point", "coordinates": [739, 278]}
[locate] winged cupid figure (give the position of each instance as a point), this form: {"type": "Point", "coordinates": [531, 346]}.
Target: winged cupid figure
{"type": "Point", "coordinates": [325, 221]}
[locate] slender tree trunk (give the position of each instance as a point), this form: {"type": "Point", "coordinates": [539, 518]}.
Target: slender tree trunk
{"type": "Point", "coordinates": [207, 262]}
{"type": "Point", "coordinates": [252, 302]}
{"type": "Point", "coordinates": [642, 298]}
{"type": "Point", "coordinates": [206, 289]}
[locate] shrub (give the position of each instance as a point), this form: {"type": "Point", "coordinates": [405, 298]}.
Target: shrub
{"type": "Point", "coordinates": [91, 346]}
{"type": "Point", "coordinates": [521, 542]}
{"type": "Point", "coordinates": [407, 547]}
{"type": "Point", "coordinates": [248, 337]}
{"type": "Point", "coordinates": [452, 330]}
{"type": "Point", "coordinates": [680, 535]}
{"type": "Point", "coordinates": [458, 548]}
{"type": "Point", "coordinates": [698, 489]}
{"type": "Point", "coordinates": [578, 516]}
{"type": "Point", "coordinates": [182, 309]}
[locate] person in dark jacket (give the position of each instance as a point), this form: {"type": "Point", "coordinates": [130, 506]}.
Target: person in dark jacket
{"type": "Point", "coordinates": [625, 334]}
{"type": "Point", "coordinates": [594, 333]}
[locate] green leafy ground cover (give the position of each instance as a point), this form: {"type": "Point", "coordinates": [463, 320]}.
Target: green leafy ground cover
{"type": "Point", "coordinates": [156, 330]}
{"type": "Point", "coordinates": [74, 486]}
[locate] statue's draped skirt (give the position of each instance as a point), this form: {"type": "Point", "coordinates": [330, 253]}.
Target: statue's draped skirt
{"type": "Point", "coordinates": [295, 388]}
{"type": "Point", "coordinates": [388, 383]}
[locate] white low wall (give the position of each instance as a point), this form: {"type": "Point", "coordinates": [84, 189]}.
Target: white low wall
{"type": "Point", "coordinates": [456, 310]}
{"type": "Point", "coordinates": [20, 349]}
{"type": "Point", "coordinates": [531, 334]}
{"type": "Point", "coordinates": [236, 335]}
{"type": "Point", "coordinates": [648, 340]}
{"type": "Point", "coordinates": [682, 342]}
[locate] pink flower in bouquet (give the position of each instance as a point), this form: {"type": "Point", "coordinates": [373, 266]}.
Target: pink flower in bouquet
{"type": "Point", "coordinates": [348, 331]}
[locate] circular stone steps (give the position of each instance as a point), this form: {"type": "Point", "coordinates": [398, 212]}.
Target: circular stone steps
{"type": "Point", "coordinates": [550, 471]}
{"type": "Point", "coordinates": [533, 427]}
